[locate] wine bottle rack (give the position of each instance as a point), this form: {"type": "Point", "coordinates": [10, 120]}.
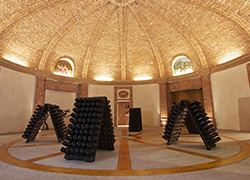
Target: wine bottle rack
{"type": "Point", "coordinates": [40, 116]}
{"type": "Point", "coordinates": [197, 117]}
{"type": "Point", "coordinates": [190, 125]}
{"type": "Point", "coordinates": [91, 128]}
{"type": "Point", "coordinates": [106, 137]}
{"type": "Point", "coordinates": [204, 126]}
{"type": "Point", "coordinates": [175, 124]}
{"type": "Point", "coordinates": [57, 116]}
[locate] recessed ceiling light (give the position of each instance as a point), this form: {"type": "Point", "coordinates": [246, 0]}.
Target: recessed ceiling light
{"type": "Point", "coordinates": [142, 78]}
{"type": "Point", "coordinates": [229, 56]}
{"type": "Point", "coordinates": [15, 60]}
{"type": "Point", "coordinates": [103, 79]}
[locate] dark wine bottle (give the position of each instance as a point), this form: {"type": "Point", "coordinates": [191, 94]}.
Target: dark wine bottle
{"type": "Point", "coordinates": [82, 151]}
{"type": "Point", "coordinates": [97, 104]}
{"type": "Point", "coordinates": [77, 99]}
{"type": "Point", "coordinates": [68, 131]}
{"type": "Point", "coordinates": [204, 123]}
{"type": "Point", "coordinates": [75, 137]}
{"type": "Point", "coordinates": [65, 143]}
{"type": "Point", "coordinates": [76, 131]}
{"type": "Point", "coordinates": [203, 118]}
{"type": "Point", "coordinates": [77, 150]}
{"type": "Point", "coordinates": [72, 150]}
{"type": "Point", "coordinates": [25, 136]}
{"type": "Point", "coordinates": [212, 135]}
{"type": "Point", "coordinates": [166, 137]}
{"type": "Point", "coordinates": [86, 131]}
{"type": "Point", "coordinates": [92, 132]}
{"type": "Point", "coordinates": [205, 128]}
{"type": "Point", "coordinates": [71, 126]}
{"type": "Point", "coordinates": [167, 132]}
{"type": "Point", "coordinates": [78, 143]}
{"type": "Point", "coordinates": [63, 149]}
{"type": "Point", "coordinates": [76, 104]}
{"type": "Point", "coordinates": [209, 131]}
{"type": "Point", "coordinates": [199, 114]}
{"type": "Point", "coordinates": [86, 126]}
{"type": "Point", "coordinates": [74, 115]}
{"type": "Point", "coordinates": [82, 114]}
{"type": "Point", "coordinates": [216, 139]}
{"type": "Point", "coordinates": [76, 110]}
{"type": "Point", "coordinates": [83, 144]}
{"type": "Point", "coordinates": [73, 143]}
{"type": "Point", "coordinates": [89, 152]}
{"type": "Point", "coordinates": [67, 150]}
{"type": "Point", "coordinates": [171, 123]}
{"type": "Point", "coordinates": [89, 145]}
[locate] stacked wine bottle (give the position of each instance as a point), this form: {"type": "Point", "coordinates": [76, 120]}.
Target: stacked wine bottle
{"type": "Point", "coordinates": [175, 124]}
{"type": "Point", "coordinates": [57, 117]}
{"type": "Point", "coordinates": [91, 127]}
{"type": "Point", "coordinates": [195, 113]}
{"type": "Point", "coordinates": [106, 137]}
{"type": "Point", "coordinates": [38, 118]}
{"type": "Point", "coordinates": [203, 124]}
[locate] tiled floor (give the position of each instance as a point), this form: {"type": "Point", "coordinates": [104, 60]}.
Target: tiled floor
{"type": "Point", "coordinates": [142, 155]}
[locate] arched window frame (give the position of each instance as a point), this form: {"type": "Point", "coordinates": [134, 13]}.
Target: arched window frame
{"type": "Point", "coordinates": [174, 62]}
{"type": "Point", "coordinates": [69, 60]}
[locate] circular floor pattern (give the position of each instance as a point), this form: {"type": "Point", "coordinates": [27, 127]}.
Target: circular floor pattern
{"type": "Point", "coordinates": [124, 163]}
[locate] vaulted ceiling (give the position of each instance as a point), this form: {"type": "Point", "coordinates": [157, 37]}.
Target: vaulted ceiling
{"type": "Point", "coordinates": [123, 39]}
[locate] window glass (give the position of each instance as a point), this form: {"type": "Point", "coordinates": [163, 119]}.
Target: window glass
{"type": "Point", "coordinates": [64, 67]}
{"type": "Point", "coordinates": [181, 65]}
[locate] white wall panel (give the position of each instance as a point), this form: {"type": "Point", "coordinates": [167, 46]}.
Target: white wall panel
{"type": "Point", "coordinates": [17, 95]}
{"type": "Point", "coordinates": [228, 87]}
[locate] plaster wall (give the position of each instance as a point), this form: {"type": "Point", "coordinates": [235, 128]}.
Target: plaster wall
{"type": "Point", "coordinates": [65, 100]}
{"type": "Point", "coordinates": [17, 94]}
{"type": "Point", "coordinates": [147, 97]}
{"type": "Point", "coordinates": [244, 113]}
{"type": "Point", "coordinates": [228, 86]}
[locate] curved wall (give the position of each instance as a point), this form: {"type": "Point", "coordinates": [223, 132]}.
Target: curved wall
{"type": "Point", "coordinates": [228, 88]}
{"type": "Point", "coordinates": [17, 94]}
{"type": "Point", "coordinates": [147, 97]}
{"type": "Point", "coordinates": [230, 91]}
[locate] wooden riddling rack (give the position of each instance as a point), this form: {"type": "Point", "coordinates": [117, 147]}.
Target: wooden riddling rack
{"type": "Point", "coordinates": [40, 116]}
{"type": "Point", "coordinates": [91, 128]}
{"type": "Point", "coordinates": [194, 115]}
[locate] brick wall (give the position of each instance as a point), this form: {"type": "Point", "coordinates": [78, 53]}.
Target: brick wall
{"type": "Point", "coordinates": [248, 72]}
{"type": "Point", "coordinates": [203, 82]}
{"type": "Point", "coordinates": [43, 84]}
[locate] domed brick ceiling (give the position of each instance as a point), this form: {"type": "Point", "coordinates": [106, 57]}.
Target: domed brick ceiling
{"type": "Point", "coordinates": [123, 40]}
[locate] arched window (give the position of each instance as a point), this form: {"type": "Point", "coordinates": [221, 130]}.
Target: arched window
{"type": "Point", "coordinates": [181, 65]}
{"type": "Point", "coordinates": [64, 67]}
